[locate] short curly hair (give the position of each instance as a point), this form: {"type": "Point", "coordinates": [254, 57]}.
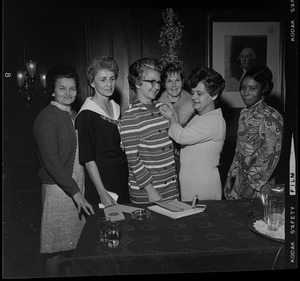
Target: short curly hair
{"type": "Point", "coordinates": [99, 63]}
{"type": "Point", "coordinates": [263, 75]}
{"type": "Point", "coordinates": [170, 69]}
{"type": "Point", "coordinates": [214, 83]}
{"type": "Point", "coordinates": [61, 71]}
{"type": "Point", "coordinates": [139, 67]}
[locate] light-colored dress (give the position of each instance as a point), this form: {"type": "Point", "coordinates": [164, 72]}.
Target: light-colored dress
{"type": "Point", "coordinates": [61, 224]}
{"type": "Point", "coordinates": [201, 143]}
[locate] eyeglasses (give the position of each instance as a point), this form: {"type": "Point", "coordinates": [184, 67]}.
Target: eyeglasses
{"type": "Point", "coordinates": [153, 82]}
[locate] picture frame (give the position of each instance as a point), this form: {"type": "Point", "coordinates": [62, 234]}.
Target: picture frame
{"type": "Point", "coordinates": [229, 36]}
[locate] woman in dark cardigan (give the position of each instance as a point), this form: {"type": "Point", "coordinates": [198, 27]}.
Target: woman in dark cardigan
{"type": "Point", "coordinates": [61, 174]}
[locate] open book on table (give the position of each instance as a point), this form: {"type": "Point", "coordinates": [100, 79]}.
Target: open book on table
{"type": "Point", "coordinates": [176, 209]}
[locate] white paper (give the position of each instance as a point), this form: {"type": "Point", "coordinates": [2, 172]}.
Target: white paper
{"type": "Point", "coordinates": [188, 210]}
{"type": "Point", "coordinates": [114, 213]}
{"type": "Point", "coordinates": [113, 195]}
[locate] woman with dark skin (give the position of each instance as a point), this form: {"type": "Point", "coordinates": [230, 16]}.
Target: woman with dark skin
{"type": "Point", "coordinates": [259, 137]}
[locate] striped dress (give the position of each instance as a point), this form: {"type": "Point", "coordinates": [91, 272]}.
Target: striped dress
{"type": "Point", "coordinates": [149, 151]}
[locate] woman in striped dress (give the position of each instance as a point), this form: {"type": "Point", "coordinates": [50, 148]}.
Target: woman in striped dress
{"type": "Point", "coordinates": [144, 135]}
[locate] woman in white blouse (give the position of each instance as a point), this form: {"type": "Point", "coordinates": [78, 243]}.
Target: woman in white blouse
{"type": "Point", "coordinates": [202, 139]}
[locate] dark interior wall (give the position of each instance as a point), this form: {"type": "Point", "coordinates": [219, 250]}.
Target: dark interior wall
{"type": "Point", "coordinates": [51, 35]}
{"type": "Point", "coordinates": [55, 39]}
{"type": "Point", "coordinates": [129, 34]}
{"type": "Point", "coordinates": [73, 35]}
{"type": "Point", "coordinates": [61, 33]}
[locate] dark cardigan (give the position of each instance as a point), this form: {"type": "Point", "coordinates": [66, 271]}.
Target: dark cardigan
{"type": "Point", "coordinates": [56, 139]}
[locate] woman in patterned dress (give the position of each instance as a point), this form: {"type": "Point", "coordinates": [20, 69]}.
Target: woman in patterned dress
{"type": "Point", "coordinates": [61, 174]}
{"type": "Point", "coordinates": [259, 137]}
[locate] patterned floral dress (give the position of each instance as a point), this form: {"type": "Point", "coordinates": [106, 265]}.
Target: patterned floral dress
{"type": "Point", "coordinates": [258, 148]}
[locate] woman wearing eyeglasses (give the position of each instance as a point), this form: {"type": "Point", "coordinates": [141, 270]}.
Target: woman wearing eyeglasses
{"type": "Point", "coordinates": [144, 135]}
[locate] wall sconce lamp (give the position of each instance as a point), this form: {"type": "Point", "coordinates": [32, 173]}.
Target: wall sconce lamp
{"type": "Point", "coordinates": [26, 81]}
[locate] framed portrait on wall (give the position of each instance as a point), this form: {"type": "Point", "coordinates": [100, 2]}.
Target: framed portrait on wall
{"type": "Point", "coordinates": [235, 45]}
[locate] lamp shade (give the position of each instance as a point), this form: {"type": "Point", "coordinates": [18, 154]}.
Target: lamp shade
{"type": "Point", "coordinates": [43, 80]}
{"type": "Point", "coordinates": [20, 78]}
{"type": "Point", "coordinates": [31, 68]}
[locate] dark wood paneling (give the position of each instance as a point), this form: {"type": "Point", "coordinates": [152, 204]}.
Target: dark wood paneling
{"type": "Point", "coordinates": [50, 37]}
{"type": "Point", "coordinates": [100, 32]}
{"type": "Point", "coordinates": [193, 47]}
{"type": "Point", "coordinates": [77, 35]}
{"type": "Point", "coordinates": [121, 45]}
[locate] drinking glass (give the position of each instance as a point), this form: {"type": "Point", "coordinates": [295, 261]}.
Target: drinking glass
{"type": "Point", "coordinates": [113, 235]}
{"type": "Point", "coordinates": [103, 223]}
{"type": "Point", "coordinates": [264, 193]}
{"type": "Point", "coordinates": [274, 207]}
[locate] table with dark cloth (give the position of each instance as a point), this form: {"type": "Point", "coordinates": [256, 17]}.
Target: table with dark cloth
{"type": "Point", "coordinates": [218, 239]}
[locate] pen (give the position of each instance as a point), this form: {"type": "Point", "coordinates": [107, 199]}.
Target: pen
{"type": "Point", "coordinates": [194, 201]}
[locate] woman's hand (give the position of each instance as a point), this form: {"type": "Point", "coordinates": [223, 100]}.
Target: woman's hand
{"type": "Point", "coordinates": [106, 199]}
{"type": "Point", "coordinates": [94, 174]}
{"type": "Point", "coordinates": [248, 192]}
{"type": "Point", "coordinates": [227, 188]}
{"type": "Point", "coordinates": [169, 112]}
{"type": "Point", "coordinates": [83, 204]}
{"type": "Point", "coordinates": [153, 194]}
